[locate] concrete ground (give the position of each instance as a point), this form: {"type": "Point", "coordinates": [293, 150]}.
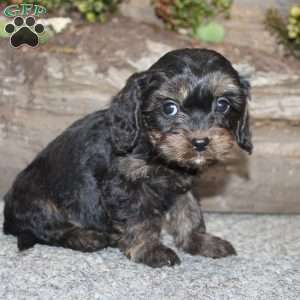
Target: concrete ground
{"type": "Point", "coordinates": [267, 267]}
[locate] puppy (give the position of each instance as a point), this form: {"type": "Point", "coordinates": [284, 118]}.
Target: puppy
{"type": "Point", "coordinates": [118, 176]}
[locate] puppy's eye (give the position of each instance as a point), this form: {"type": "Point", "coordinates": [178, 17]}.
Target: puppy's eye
{"type": "Point", "coordinates": [170, 108]}
{"type": "Point", "coordinates": [222, 105]}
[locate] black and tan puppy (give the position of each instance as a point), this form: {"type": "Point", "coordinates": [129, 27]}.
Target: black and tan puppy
{"type": "Point", "coordinates": [117, 176]}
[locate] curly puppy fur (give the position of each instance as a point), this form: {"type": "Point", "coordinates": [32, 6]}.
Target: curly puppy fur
{"type": "Point", "coordinates": [118, 176]}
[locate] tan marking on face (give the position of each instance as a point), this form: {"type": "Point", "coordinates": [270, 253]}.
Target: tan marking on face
{"type": "Point", "coordinates": [178, 147]}
{"type": "Point", "coordinates": [221, 143]}
{"type": "Point", "coordinates": [178, 91]}
{"type": "Point", "coordinates": [183, 92]}
{"type": "Point", "coordinates": [220, 83]}
{"type": "Point", "coordinates": [173, 146]}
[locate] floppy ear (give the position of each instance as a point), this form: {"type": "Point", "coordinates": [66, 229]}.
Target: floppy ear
{"type": "Point", "coordinates": [243, 134]}
{"type": "Point", "coordinates": [125, 115]}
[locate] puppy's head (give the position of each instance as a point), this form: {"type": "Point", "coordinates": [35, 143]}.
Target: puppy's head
{"type": "Point", "coordinates": [192, 106]}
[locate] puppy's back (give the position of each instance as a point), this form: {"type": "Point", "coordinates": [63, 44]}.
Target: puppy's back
{"type": "Point", "coordinates": [60, 171]}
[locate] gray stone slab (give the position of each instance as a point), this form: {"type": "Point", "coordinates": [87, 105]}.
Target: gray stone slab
{"type": "Point", "coordinates": [266, 182]}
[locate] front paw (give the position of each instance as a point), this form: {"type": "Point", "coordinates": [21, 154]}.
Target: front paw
{"type": "Point", "coordinates": [157, 257]}
{"type": "Point", "coordinates": [134, 169]}
{"type": "Point", "coordinates": [208, 245]}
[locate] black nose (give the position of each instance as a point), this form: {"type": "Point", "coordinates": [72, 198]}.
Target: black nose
{"type": "Point", "coordinates": [200, 144]}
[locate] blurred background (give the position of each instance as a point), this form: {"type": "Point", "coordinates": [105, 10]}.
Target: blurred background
{"type": "Point", "coordinates": [90, 47]}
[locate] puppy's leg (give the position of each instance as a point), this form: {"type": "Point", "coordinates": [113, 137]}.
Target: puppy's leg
{"type": "Point", "coordinates": [84, 240]}
{"type": "Point", "coordinates": [141, 243]}
{"type": "Point", "coordinates": [134, 168]}
{"type": "Point", "coordinates": [44, 223]}
{"type": "Point", "coordinates": [185, 222]}
{"type": "Point", "coordinates": [67, 236]}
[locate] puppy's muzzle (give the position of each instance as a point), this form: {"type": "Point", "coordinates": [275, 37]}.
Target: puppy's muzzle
{"type": "Point", "coordinates": [200, 144]}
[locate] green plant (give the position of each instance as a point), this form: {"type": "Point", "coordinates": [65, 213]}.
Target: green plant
{"type": "Point", "coordinates": [287, 31]}
{"type": "Point", "coordinates": [96, 10]}
{"type": "Point", "coordinates": [192, 14]}
{"type": "Point", "coordinates": [3, 34]}
{"type": "Point", "coordinates": [211, 32]}
{"type": "Point", "coordinates": [91, 10]}
{"type": "Point", "coordinates": [294, 24]}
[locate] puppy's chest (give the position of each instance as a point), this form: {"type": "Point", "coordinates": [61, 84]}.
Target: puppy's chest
{"type": "Point", "coordinates": [171, 182]}
{"type": "Point", "coordinates": [152, 174]}
{"type": "Point", "coordinates": [140, 188]}
{"type": "Point", "coordinates": [164, 185]}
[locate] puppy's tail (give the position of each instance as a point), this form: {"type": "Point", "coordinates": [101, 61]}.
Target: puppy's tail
{"type": "Point", "coordinates": [26, 239]}
{"type": "Point", "coordinates": [7, 214]}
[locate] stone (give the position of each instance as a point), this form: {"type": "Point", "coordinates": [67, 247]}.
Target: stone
{"type": "Point", "coordinates": [43, 92]}
{"type": "Point", "coordinates": [58, 24]}
{"type": "Point", "coordinates": [141, 11]}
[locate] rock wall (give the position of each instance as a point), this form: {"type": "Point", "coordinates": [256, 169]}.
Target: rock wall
{"type": "Point", "coordinates": [45, 90]}
{"type": "Point", "coordinates": [282, 5]}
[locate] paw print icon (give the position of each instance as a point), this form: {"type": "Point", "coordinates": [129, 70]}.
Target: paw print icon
{"type": "Point", "coordinates": [24, 31]}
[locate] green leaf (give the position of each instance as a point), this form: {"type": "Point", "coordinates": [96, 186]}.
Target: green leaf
{"type": "Point", "coordinates": [91, 17]}
{"type": "Point", "coordinates": [3, 33]}
{"type": "Point", "coordinates": [45, 36]}
{"type": "Point", "coordinates": [82, 7]}
{"type": "Point", "coordinates": [211, 32]}
{"type": "Point", "coordinates": [98, 7]}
